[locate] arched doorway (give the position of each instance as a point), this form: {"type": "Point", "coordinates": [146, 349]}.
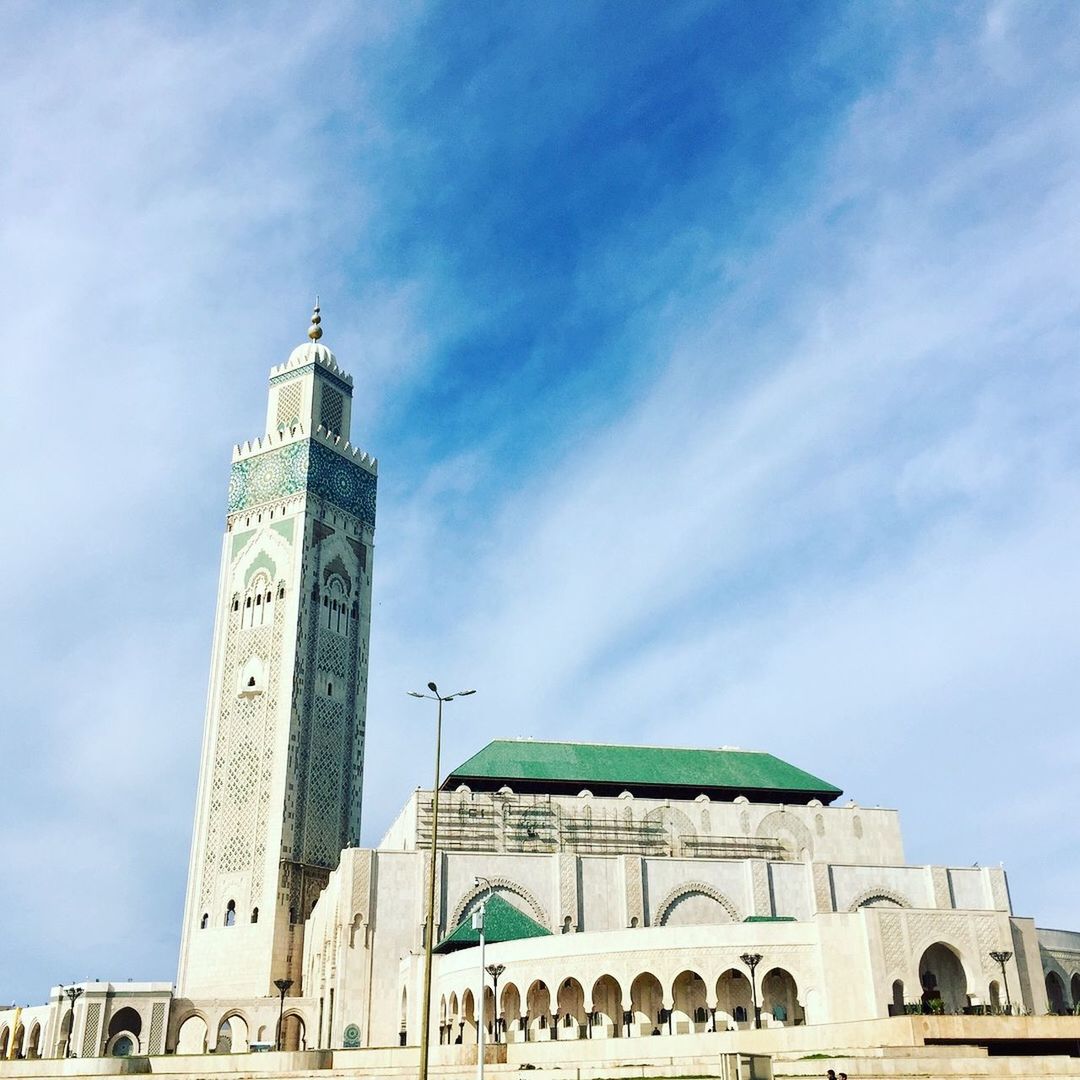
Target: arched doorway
{"type": "Point", "coordinates": [403, 1021]}
{"type": "Point", "coordinates": [33, 1047]}
{"type": "Point", "coordinates": [689, 1007]}
{"type": "Point", "coordinates": [453, 1019]}
{"type": "Point", "coordinates": [17, 1042]}
{"type": "Point", "coordinates": [293, 1032]}
{"type": "Point", "coordinates": [734, 1000]}
{"type": "Point", "coordinates": [65, 1032]}
{"type": "Point", "coordinates": [1055, 993]}
{"type": "Point", "coordinates": [191, 1038]}
{"type": "Point", "coordinates": [646, 1003]}
{"type": "Point", "coordinates": [510, 1013]}
{"type": "Point", "coordinates": [122, 1035]}
{"type": "Point", "coordinates": [780, 998]}
{"type": "Point", "coordinates": [538, 1008]}
{"type": "Point", "coordinates": [468, 1014]}
{"type": "Point", "coordinates": [232, 1035]}
{"type": "Point", "coordinates": [995, 996]}
{"type": "Point", "coordinates": [897, 1006]}
{"type": "Point", "coordinates": [943, 980]}
{"type": "Point", "coordinates": [606, 1008]}
{"type": "Point", "coordinates": [489, 1014]}
{"type": "Point", "coordinates": [571, 1009]}
{"type": "Point", "coordinates": [5, 1038]}
{"type": "Point", "coordinates": [1074, 987]}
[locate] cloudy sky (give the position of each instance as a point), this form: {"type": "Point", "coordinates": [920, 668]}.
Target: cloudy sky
{"type": "Point", "coordinates": [721, 361]}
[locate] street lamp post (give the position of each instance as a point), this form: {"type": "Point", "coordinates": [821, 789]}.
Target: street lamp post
{"type": "Point", "coordinates": [430, 929]}
{"type": "Point", "coordinates": [478, 924]}
{"type": "Point", "coordinates": [999, 956]}
{"type": "Point", "coordinates": [751, 960]}
{"type": "Point", "coordinates": [283, 986]}
{"type": "Point", "coordinates": [73, 993]}
{"type": "Point", "coordinates": [495, 970]}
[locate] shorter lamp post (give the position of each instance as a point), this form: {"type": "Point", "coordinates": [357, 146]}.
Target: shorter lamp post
{"type": "Point", "coordinates": [999, 956]}
{"type": "Point", "coordinates": [751, 960]}
{"type": "Point", "coordinates": [495, 970]}
{"type": "Point", "coordinates": [73, 993]}
{"type": "Point", "coordinates": [283, 988]}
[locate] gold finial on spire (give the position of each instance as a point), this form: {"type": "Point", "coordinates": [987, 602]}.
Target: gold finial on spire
{"type": "Point", "coordinates": [315, 330]}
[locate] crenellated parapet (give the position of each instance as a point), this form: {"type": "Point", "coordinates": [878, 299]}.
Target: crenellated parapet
{"type": "Point", "coordinates": [273, 440]}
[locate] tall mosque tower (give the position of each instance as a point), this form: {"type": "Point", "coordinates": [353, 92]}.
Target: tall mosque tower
{"type": "Point", "coordinates": [283, 746]}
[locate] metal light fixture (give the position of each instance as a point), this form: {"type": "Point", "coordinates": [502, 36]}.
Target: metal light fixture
{"type": "Point", "coordinates": [495, 970]}
{"type": "Point", "coordinates": [283, 986]}
{"type": "Point", "coordinates": [73, 994]}
{"type": "Point", "coordinates": [1000, 956]}
{"type": "Point", "coordinates": [429, 935]}
{"type": "Point", "coordinates": [751, 960]}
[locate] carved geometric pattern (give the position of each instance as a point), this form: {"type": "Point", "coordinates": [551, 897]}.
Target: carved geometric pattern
{"type": "Point", "coordinates": [568, 897]}
{"type": "Point", "coordinates": [304, 465]}
{"type": "Point", "coordinates": [986, 933]}
{"type": "Point", "coordinates": [693, 888]}
{"type": "Point", "coordinates": [334, 655]}
{"type": "Point", "coordinates": [330, 411]}
{"type": "Point", "coordinates": [939, 879]}
{"type": "Point", "coordinates": [507, 886]}
{"type": "Point", "coordinates": [893, 944]}
{"type": "Point", "coordinates": [635, 903]}
{"type": "Point", "coordinates": [90, 1032]}
{"type": "Point", "coordinates": [155, 1042]}
{"type": "Point", "coordinates": [823, 900]}
{"type": "Point", "coordinates": [361, 887]}
{"type": "Point", "coordinates": [759, 877]}
{"type": "Point", "coordinates": [288, 406]}
{"type": "Point", "coordinates": [779, 822]}
{"type": "Point", "coordinates": [873, 896]}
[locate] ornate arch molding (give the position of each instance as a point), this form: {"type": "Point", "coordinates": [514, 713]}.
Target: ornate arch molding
{"type": "Point", "coordinates": [869, 895]}
{"type": "Point", "coordinates": [509, 886]}
{"type": "Point", "coordinates": [771, 824]}
{"type": "Point", "coordinates": [695, 888]}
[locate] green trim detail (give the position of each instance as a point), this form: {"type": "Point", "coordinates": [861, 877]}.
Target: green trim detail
{"type": "Point", "coordinates": [262, 561]}
{"type": "Point", "coordinates": [502, 922]}
{"type": "Point", "coordinates": [239, 540]}
{"type": "Point", "coordinates": [285, 528]}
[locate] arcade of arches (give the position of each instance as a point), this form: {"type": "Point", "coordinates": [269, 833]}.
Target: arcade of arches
{"type": "Point", "coordinates": [570, 1008]}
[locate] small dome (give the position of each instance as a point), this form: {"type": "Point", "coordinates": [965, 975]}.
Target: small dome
{"type": "Point", "coordinates": [311, 352]}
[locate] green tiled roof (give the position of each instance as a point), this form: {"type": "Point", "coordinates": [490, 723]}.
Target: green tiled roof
{"type": "Point", "coordinates": [502, 922]}
{"type": "Point", "coordinates": [528, 765]}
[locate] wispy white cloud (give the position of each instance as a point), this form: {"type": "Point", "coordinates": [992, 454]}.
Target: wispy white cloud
{"type": "Point", "coordinates": [812, 489]}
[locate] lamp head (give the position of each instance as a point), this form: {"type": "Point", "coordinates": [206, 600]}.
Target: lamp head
{"type": "Point", "coordinates": [432, 687]}
{"type": "Point", "coordinates": [414, 693]}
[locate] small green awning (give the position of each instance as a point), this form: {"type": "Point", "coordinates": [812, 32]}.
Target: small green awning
{"type": "Point", "coordinates": [502, 922]}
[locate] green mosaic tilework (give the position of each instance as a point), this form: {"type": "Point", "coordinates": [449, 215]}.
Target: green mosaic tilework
{"type": "Point", "coordinates": [299, 466]}
{"type": "Point", "coordinates": [502, 922]}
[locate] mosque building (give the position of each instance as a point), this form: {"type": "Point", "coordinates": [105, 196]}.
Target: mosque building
{"type": "Point", "coordinates": [628, 892]}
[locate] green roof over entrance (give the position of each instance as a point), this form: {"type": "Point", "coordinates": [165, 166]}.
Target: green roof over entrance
{"type": "Point", "coordinates": [564, 768]}
{"type": "Point", "coordinates": [502, 922]}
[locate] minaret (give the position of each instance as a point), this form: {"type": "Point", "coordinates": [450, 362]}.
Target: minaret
{"type": "Point", "coordinates": [283, 746]}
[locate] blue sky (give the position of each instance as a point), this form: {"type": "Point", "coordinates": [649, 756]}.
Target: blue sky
{"type": "Point", "coordinates": [721, 360]}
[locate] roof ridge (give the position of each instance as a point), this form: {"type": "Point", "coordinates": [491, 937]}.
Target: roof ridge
{"type": "Point", "coordinates": [628, 746]}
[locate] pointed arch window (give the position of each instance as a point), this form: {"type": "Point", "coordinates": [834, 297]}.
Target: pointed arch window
{"type": "Point", "coordinates": [204, 922]}
{"type": "Point", "coordinates": [254, 915]}
{"type": "Point", "coordinates": [230, 914]}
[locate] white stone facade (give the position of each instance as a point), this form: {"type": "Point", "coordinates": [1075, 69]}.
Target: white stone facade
{"type": "Point", "coordinates": [659, 933]}
{"type": "Point", "coordinates": [282, 760]}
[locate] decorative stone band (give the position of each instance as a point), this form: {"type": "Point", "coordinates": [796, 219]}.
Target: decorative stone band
{"type": "Point", "coordinates": [298, 466]}
{"type": "Point", "coordinates": [335, 376]}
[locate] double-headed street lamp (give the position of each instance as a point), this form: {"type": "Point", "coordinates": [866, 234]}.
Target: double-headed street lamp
{"type": "Point", "coordinates": [73, 993]}
{"type": "Point", "coordinates": [429, 936]}
{"type": "Point", "coordinates": [283, 987]}
{"type": "Point", "coordinates": [751, 960]}
{"type": "Point", "coordinates": [999, 956]}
